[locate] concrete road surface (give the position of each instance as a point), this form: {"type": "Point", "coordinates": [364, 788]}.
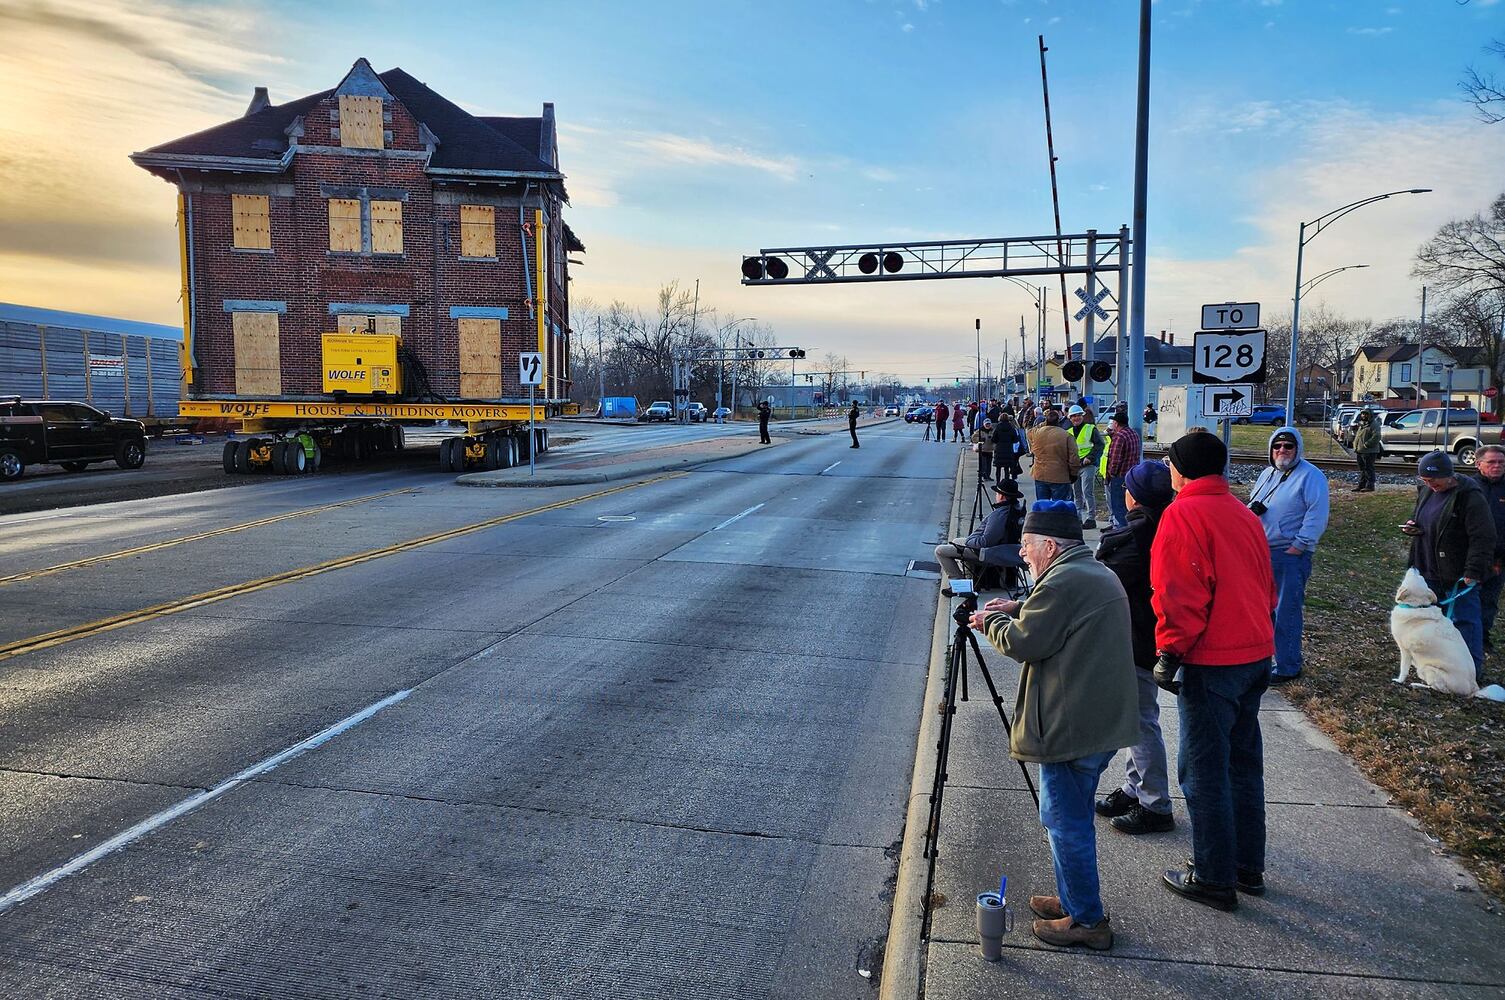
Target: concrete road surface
{"type": "Point", "coordinates": [385, 736]}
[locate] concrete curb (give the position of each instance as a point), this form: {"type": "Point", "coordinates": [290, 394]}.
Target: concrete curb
{"type": "Point", "coordinates": [903, 960]}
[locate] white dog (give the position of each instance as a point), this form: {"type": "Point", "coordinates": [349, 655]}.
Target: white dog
{"type": "Point", "coordinates": [1432, 644]}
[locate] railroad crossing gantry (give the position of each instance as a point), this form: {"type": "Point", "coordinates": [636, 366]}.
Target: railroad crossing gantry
{"type": "Point", "coordinates": [684, 362]}
{"type": "Point", "coordinates": [1091, 255]}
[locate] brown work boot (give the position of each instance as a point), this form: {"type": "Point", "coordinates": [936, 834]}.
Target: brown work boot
{"type": "Point", "coordinates": [1046, 907]}
{"type": "Point", "coordinates": [1065, 932]}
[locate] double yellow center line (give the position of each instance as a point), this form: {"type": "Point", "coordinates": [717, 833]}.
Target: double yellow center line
{"type": "Point", "coordinates": [50, 639]}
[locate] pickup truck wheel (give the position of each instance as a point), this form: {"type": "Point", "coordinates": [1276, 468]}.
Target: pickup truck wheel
{"type": "Point", "coordinates": [130, 454]}
{"type": "Point", "coordinates": [75, 466]}
{"type": "Point", "coordinates": [1467, 453]}
{"type": "Point", "coordinates": [11, 464]}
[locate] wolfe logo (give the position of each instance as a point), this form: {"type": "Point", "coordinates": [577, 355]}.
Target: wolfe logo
{"type": "Point", "coordinates": [346, 374]}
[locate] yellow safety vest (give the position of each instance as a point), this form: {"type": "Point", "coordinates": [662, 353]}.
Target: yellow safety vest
{"type": "Point", "coordinates": [1083, 448]}
{"type": "Point", "coordinates": [1102, 465]}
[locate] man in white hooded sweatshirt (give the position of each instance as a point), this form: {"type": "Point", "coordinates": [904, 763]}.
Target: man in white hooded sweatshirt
{"type": "Point", "coordinates": [1290, 499]}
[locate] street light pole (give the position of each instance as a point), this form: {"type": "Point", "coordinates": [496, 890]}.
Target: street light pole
{"type": "Point", "coordinates": [1141, 185]}
{"type": "Point", "coordinates": [1316, 226]}
{"type": "Point", "coordinates": [977, 384]}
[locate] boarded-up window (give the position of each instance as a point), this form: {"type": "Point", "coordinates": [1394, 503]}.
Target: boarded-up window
{"type": "Point", "coordinates": [345, 225]}
{"type": "Point", "coordinates": [386, 227]}
{"type": "Point", "coordinates": [356, 323]}
{"type": "Point", "coordinates": [258, 359]}
{"type": "Point", "coordinates": [481, 358]}
{"type": "Point", "coordinates": [252, 221]}
{"type": "Point", "coordinates": [477, 231]}
{"type": "Point", "coordinates": [360, 122]}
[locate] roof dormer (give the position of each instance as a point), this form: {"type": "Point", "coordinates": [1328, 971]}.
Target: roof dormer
{"type": "Point", "coordinates": [362, 97]}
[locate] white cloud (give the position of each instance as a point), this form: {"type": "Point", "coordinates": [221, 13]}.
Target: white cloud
{"type": "Point", "coordinates": [908, 28]}
{"type": "Point", "coordinates": [881, 175]}
{"type": "Point", "coordinates": [1370, 31]}
{"type": "Point", "coordinates": [671, 148]}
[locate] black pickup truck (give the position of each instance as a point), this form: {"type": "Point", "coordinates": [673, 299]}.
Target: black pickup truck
{"type": "Point", "coordinates": [59, 432]}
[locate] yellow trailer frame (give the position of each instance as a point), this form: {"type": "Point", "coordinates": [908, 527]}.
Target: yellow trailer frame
{"type": "Point", "coordinates": [260, 415]}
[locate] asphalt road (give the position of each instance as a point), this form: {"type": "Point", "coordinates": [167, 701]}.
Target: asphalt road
{"type": "Point", "coordinates": [655, 743]}
{"type": "Point", "coordinates": [179, 464]}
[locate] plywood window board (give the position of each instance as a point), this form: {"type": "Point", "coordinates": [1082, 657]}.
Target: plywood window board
{"type": "Point", "coordinates": [386, 226]}
{"type": "Point", "coordinates": [345, 225]}
{"type": "Point", "coordinates": [477, 231]}
{"type": "Point", "coordinates": [480, 358]}
{"type": "Point", "coordinates": [252, 221]}
{"type": "Point", "coordinates": [356, 323]}
{"type": "Point", "coordinates": [258, 355]}
{"type": "Point", "coordinates": [360, 122]}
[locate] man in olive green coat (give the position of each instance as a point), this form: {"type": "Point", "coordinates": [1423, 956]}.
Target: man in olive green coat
{"type": "Point", "coordinates": [1077, 705]}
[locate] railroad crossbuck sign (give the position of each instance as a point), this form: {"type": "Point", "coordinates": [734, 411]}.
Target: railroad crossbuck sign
{"type": "Point", "coordinates": [530, 368]}
{"type": "Point", "coordinates": [1092, 304]}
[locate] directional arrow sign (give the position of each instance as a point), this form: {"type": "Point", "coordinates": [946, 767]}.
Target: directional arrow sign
{"type": "Point", "coordinates": [530, 368]}
{"type": "Point", "coordinates": [1226, 401]}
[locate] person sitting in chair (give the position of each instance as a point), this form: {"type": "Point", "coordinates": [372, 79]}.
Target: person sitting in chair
{"type": "Point", "coordinates": [962, 557]}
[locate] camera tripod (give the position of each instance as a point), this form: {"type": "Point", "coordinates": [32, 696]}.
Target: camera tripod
{"type": "Point", "coordinates": [956, 678]}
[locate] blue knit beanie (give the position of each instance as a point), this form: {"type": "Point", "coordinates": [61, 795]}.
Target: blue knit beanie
{"type": "Point", "coordinates": [1150, 484]}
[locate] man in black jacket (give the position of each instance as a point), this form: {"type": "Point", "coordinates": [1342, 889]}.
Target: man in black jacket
{"type": "Point", "coordinates": [1491, 465]}
{"type": "Point", "coordinates": [764, 412]}
{"type": "Point", "coordinates": [1002, 527]}
{"type": "Point", "coordinates": [1143, 804]}
{"type": "Point", "coordinates": [852, 424]}
{"type": "Point", "coordinates": [1453, 546]}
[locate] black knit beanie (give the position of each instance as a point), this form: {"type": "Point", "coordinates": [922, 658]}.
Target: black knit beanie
{"type": "Point", "coordinates": [1054, 519]}
{"type": "Point", "coordinates": [1199, 454]}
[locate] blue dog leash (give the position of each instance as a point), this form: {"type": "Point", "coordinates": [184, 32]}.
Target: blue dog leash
{"type": "Point", "coordinates": [1447, 602]}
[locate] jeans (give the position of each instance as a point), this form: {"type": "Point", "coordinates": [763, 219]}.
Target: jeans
{"type": "Point", "coordinates": [1489, 603]}
{"type": "Point", "coordinates": [1084, 491]}
{"type": "Point", "coordinates": [984, 464]}
{"type": "Point", "coordinates": [1467, 613]}
{"type": "Point", "coordinates": [1221, 768]}
{"type": "Point", "coordinates": [1145, 775]}
{"type": "Point", "coordinates": [1066, 792]}
{"type": "Point", "coordinates": [1118, 508]}
{"type": "Point", "coordinates": [1291, 573]}
{"type": "Point", "coordinates": [1366, 469]}
{"type": "Point", "coordinates": [1052, 491]}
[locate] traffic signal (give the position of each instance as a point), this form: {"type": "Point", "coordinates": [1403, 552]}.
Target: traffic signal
{"type": "Point", "coordinates": [758, 268]}
{"type": "Point", "coordinates": [892, 263]}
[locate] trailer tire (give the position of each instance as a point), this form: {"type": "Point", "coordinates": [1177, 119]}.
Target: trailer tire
{"type": "Point", "coordinates": [278, 466]}
{"type": "Point", "coordinates": [399, 439]}
{"type": "Point", "coordinates": [444, 449]}
{"type": "Point", "coordinates": [494, 449]}
{"type": "Point", "coordinates": [522, 438]}
{"type": "Point", "coordinates": [294, 461]}
{"type": "Point", "coordinates": [509, 450]}
{"type": "Point", "coordinates": [227, 457]}
{"type": "Point", "coordinates": [12, 465]}
{"type": "Point", "coordinates": [74, 466]}
{"type": "Point", "coordinates": [243, 457]}
{"type": "Point", "coordinates": [457, 454]}
{"type": "Point", "coordinates": [131, 453]}
{"type": "Point", "coordinates": [317, 462]}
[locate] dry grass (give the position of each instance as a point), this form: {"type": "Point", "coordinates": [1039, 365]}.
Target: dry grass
{"type": "Point", "coordinates": [1441, 757]}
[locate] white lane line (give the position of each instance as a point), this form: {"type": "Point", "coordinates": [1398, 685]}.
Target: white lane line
{"type": "Point", "coordinates": [737, 517]}
{"type": "Point", "coordinates": [828, 468]}
{"type": "Point", "coordinates": [26, 890]}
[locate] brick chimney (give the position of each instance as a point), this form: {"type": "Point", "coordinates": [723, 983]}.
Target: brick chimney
{"type": "Point", "coordinates": [1162, 336]}
{"type": "Point", "coordinates": [259, 101]}
{"type": "Point", "coordinates": [1173, 340]}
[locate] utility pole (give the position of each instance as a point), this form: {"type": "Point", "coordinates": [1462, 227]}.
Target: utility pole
{"type": "Point", "coordinates": [600, 371]}
{"type": "Point", "coordinates": [1421, 342]}
{"type": "Point", "coordinates": [1141, 183]}
{"type": "Point", "coordinates": [977, 384]}
{"type": "Point", "coordinates": [1055, 195]}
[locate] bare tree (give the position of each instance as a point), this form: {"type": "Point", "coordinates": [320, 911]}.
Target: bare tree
{"type": "Point", "coordinates": [1483, 90]}
{"type": "Point", "coordinates": [1466, 255]}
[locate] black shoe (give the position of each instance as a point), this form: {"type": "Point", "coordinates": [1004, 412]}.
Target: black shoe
{"type": "Point", "coordinates": [1186, 883]}
{"type": "Point", "coordinates": [1089, 523]}
{"type": "Point", "coordinates": [1249, 882]}
{"type": "Point", "coordinates": [1276, 680]}
{"type": "Point", "coordinates": [1116, 803]}
{"type": "Point", "coordinates": [1141, 820]}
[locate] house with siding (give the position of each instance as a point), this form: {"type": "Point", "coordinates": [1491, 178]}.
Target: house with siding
{"type": "Point", "coordinates": [1391, 373]}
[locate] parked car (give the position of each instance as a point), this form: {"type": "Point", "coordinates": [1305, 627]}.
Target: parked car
{"type": "Point", "coordinates": [1310, 411]}
{"type": "Point", "coordinates": [661, 410]}
{"type": "Point", "coordinates": [697, 412]}
{"type": "Point", "coordinates": [1417, 432]}
{"type": "Point", "coordinates": [921, 414]}
{"type": "Point", "coordinates": [61, 432]}
{"type": "Point", "coordinates": [721, 413]}
{"type": "Point", "coordinates": [1273, 414]}
{"type": "Point", "coordinates": [890, 411]}
{"type": "Point", "coordinates": [1350, 421]}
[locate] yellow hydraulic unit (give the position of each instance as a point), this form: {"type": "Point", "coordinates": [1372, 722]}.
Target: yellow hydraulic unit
{"type": "Point", "coordinates": [362, 364]}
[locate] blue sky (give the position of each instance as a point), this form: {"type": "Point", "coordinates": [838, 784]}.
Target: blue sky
{"type": "Point", "coordinates": [692, 132]}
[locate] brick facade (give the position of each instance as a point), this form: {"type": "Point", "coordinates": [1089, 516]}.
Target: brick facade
{"type": "Point", "coordinates": [428, 278]}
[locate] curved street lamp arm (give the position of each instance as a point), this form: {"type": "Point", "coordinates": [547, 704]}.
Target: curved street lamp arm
{"type": "Point", "coordinates": [1328, 274]}
{"type": "Point", "coordinates": [1321, 222]}
{"type": "Point", "coordinates": [1034, 294]}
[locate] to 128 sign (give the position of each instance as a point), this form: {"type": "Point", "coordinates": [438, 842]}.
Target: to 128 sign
{"type": "Point", "coordinates": [1223, 357]}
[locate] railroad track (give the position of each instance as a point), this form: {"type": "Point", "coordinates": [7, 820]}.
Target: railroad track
{"type": "Point", "coordinates": [1326, 464]}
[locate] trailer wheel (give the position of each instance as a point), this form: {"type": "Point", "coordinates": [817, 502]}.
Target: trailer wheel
{"type": "Point", "coordinates": [227, 457]}
{"type": "Point", "coordinates": [507, 451]}
{"type": "Point", "coordinates": [522, 438]}
{"type": "Point", "coordinates": [242, 456]}
{"type": "Point", "coordinates": [457, 454]}
{"type": "Point", "coordinates": [317, 462]}
{"type": "Point", "coordinates": [399, 440]}
{"type": "Point", "coordinates": [75, 466]}
{"type": "Point", "coordinates": [131, 454]}
{"type": "Point", "coordinates": [444, 449]}
{"type": "Point", "coordinates": [294, 461]}
{"type": "Point", "coordinates": [492, 459]}
{"type": "Point", "coordinates": [279, 467]}
{"type": "Point", "coordinates": [11, 464]}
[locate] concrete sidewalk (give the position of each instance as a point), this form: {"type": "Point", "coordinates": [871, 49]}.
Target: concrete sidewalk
{"type": "Point", "coordinates": [557, 469]}
{"type": "Point", "coordinates": [1361, 902]}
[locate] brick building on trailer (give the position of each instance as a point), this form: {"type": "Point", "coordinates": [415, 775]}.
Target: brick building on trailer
{"type": "Point", "coordinates": [378, 206]}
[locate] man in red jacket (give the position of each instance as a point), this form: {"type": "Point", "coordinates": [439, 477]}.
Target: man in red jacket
{"type": "Point", "coordinates": [1214, 599]}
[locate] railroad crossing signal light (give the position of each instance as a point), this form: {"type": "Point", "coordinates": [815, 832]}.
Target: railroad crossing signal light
{"type": "Point", "coordinates": [892, 263]}
{"type": "Point", "coordinates": [1100, 371]}
{"type": "Point", "coordinates": [1072, 371]}
{"type": "Point", "coordinates": [758, 268]}
{"type": "Point", "coordinates": [795, 352]}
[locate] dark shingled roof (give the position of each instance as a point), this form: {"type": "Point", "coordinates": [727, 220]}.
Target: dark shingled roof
{"type": "Point", "coordinates": [526, 132]}
{"type": "Point", "coordinates": [466, 142]}
{"type": "Point", "coordinates": [1155, 352]}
